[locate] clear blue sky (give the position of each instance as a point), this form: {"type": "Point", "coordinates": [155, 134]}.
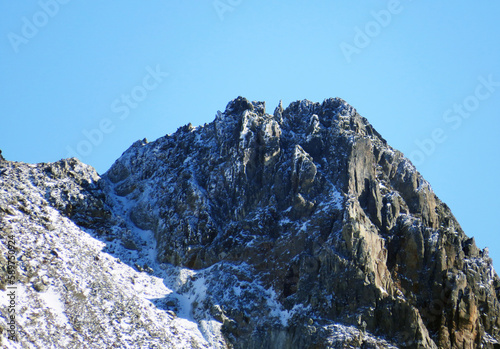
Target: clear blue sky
{"type": "Point", "coordinates": [420, 71]}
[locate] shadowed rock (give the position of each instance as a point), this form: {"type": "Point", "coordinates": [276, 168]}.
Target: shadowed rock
{"type": "Point", "coordinates": [326, 214]}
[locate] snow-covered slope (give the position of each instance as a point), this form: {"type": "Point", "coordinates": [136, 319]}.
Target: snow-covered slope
{"type": "Point", "coordinates": [300, 229]}
{"type": "Point", "coordinates": [72, 292]}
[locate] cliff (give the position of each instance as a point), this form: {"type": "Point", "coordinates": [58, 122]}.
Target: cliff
{"type": "Point", "coordinates": [297, 229]}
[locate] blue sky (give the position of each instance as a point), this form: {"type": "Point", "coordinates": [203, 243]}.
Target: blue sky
{"type": "Point", "coordinates": [90, 78]}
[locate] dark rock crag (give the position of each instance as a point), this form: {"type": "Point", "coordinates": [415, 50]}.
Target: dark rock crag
{"type": "Point", "coordinates": [315, 204]}
{"type": "Point", "coordinates": [297, 229]}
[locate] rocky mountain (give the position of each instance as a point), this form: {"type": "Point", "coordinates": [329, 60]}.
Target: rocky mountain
{"type": "Point", "coordinates": [297, 229]}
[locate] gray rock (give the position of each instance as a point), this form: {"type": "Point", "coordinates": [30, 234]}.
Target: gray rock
{"type": "Point", "coordinates": [301, 229]}
{"type": "Point", "coordinates": [327, 214]}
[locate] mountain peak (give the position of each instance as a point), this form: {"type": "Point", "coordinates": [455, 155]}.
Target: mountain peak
{"type": "Point", "coordinates": [297, 229]}
{"type": "Point", "coordinates": [311, 184]}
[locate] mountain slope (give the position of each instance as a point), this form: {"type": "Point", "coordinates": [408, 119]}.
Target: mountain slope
{"type": "Point", "coordinates": [71, 292]}
{"type": "Point", "coordinates": [301, 229]}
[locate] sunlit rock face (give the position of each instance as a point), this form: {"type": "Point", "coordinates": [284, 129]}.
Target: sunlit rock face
{"type": "Point", "coordinates": [326, 215]}
{"type": "Point", "coordinates": [297, 229]}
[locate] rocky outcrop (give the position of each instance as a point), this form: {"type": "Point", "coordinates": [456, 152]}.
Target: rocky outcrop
{"type": "Point", "coordinates": [297, 229]}
{"type": "Point", "coordinates": [325, 214]}
{"type": "Point", "coordinates": [71, 290]}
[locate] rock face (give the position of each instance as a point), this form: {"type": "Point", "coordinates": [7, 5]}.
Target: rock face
{"type": "Point", "coordinates": [300, 229]}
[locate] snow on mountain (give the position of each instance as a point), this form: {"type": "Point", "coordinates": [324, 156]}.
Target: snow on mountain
{"type": "Point", "coordinates": [296, 229]}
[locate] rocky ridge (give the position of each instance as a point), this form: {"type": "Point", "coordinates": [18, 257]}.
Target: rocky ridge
{"type": "Point", "coordinates": [73, 291]}
{"type": "Point", "coordinates": [297, 229]}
